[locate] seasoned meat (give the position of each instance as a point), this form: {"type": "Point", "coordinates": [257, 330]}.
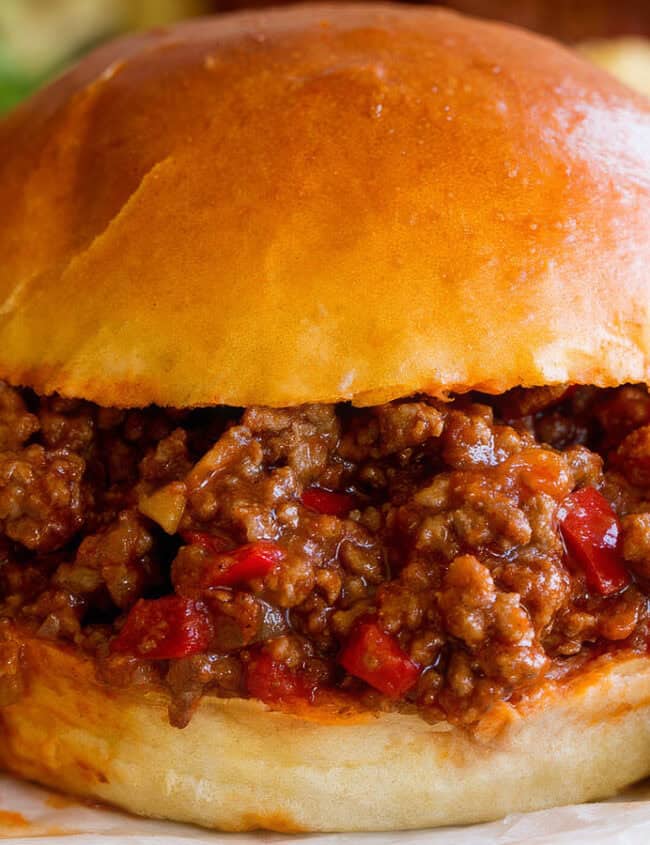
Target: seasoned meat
{"type": "Point", "coordinates": [444, 556]}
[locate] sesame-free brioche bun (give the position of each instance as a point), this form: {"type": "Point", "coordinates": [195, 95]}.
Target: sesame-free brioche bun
{"type": "Point", "coordinates": [240, 766]}
{"type": "Point", "coordinates": [320, 203]}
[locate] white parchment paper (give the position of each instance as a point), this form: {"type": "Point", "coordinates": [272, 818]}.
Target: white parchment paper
{"type": "Point", "coordinates": [28, 813]}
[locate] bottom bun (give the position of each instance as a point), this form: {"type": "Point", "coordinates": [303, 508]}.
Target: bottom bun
{"type": "Point", "coordinates": [240, 766]}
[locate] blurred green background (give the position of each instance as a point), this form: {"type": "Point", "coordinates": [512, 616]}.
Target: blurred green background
{"type": "Point", "coordinates": [38, 38]}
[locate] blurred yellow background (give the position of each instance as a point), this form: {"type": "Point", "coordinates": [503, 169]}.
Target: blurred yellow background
{"type": "Point", "coordinates": [39, 37]}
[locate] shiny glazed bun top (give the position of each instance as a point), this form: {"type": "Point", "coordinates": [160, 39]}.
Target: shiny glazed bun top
{"type": "Point", "coordinates": [320, 203]}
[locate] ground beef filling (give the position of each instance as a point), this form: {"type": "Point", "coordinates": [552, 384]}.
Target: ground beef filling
{"type": "Point", "coordinates": [417, 555]}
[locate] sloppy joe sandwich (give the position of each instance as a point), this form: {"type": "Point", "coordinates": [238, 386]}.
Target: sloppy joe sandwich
{"type": "Point", "coordinates": [325, 429]}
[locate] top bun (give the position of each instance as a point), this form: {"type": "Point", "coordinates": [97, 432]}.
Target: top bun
{"type": "Point", "coordinates": [320, 203]}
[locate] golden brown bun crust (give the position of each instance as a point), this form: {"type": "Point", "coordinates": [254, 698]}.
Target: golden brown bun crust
{"type": "Point", "coordinates": [319, 203]}
{"type": "Point", "coordinates": [239, 766]}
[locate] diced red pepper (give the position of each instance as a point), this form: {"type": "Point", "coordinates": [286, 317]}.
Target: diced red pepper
{"type": "Point", "coordinates": [166, 628]}
{"type": "Point", "coordinates": [254, 560]}
{"type": "Point", "coordinates": [375, 657]}
{"type": "Point", "coordinates": [327, 501]}
{"type": "Point", "coordinates": [591, 530]}
{"type": "Point", "coordinates": [209, 542]}
{"type": "Point", "coordinates": [271, 681]}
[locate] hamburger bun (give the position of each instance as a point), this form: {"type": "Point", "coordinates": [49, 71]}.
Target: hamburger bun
{"type": "Point", "coordinates": [239, 766]}
{"type": "Point", "coordinates": [316, 204]}
{"type": "Point", "coordinates": [359, 202]}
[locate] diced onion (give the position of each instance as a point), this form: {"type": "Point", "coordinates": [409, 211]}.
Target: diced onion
{"type": "Point", "coordinates": [165, 506]}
